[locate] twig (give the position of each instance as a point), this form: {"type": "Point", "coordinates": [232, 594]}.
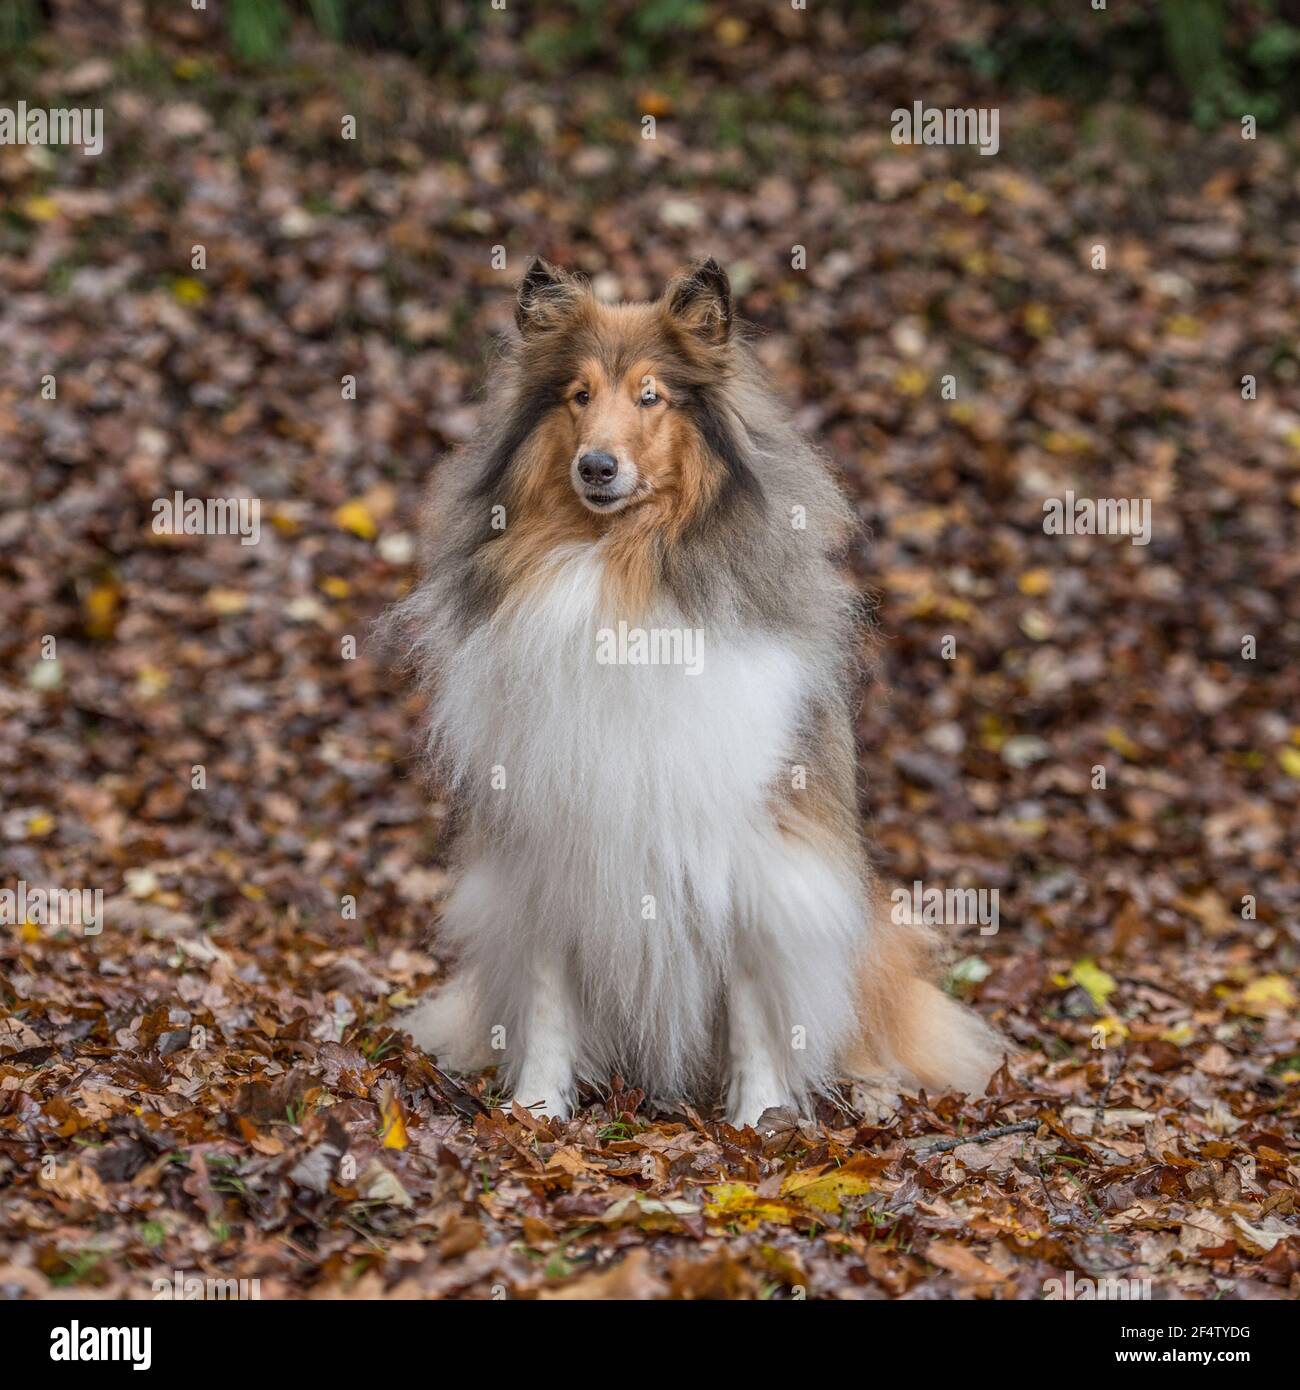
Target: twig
{"type": "Point", "coordinates": [1148, 984]}
{"type": "Point", "coordinates": [1099, 1114]}
{"type": "Point", "coordinates": [1020, 1127]}
{"type": "Point", "coordinates": [1047, 1194]}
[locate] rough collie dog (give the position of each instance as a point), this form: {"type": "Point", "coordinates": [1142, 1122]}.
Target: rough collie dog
{"type": "Point", "coordinates": [641, 659]}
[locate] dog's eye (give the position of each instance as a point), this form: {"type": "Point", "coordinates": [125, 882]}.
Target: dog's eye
{"type": "Point", "coordinates": [582, 398]}
{"type": "Point", "coordinates": [647, 398]}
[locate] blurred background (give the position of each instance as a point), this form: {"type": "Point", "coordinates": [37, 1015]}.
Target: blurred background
{"type": "Point", "coordinates": [291, 194]}
{"type": "Point", "coordinates": [1210, 57]}
{"type": "Point", "coordinates": [1214, 56]}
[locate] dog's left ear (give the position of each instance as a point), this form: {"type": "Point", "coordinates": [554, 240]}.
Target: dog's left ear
{"type": "Point", "coordinates": [701, 301]}
{"type": "Point", "coordinates": [546, 293]}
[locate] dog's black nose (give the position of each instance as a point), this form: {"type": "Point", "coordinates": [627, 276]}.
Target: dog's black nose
{"type": "Point", "coordinates": [597, 468]}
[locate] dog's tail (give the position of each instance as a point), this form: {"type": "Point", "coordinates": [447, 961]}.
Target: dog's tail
{"type": "Point", "coordinates": [912, 1032]}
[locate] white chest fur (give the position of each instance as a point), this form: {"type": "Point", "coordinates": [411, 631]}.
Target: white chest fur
{"type": "Point", "coordinates": [627, 756]}
{"type": "Point", "coordinates": [621, 831]}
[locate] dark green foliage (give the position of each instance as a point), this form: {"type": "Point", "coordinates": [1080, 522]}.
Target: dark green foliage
{"type": "Point", "coordinates": [1219, 58]}
{"type": "Point", "coordinates": [258, 29]}
{"type": "Point", "coordinates": [19, 22]}
{"type": "Point", "coordinates": [1216, 59]}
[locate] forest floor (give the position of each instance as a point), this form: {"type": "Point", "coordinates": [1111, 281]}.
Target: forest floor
{"type": "Point", "coordinates": [215, 1084]}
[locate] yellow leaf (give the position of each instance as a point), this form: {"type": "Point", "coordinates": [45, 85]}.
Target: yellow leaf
{"type": "Point", "coordinates": [100, 607]}
{"type": "Point", "coordinates": [41, 209]}
{"type": "Point", "coordinates": [226, 602]}
{"type": "Point", "coordinates": [336, 587]}
{"type": "Point", "coordinates": [911, 381]}
{"type": "Point", "coordinates": [1013, 188]}
{"type": "Point", "coordinates": [1038, 320]}
{"type": "Point", "coordinates": [1184, 326]}
{"type": "Point", "coordinates": [738, 1203]}
{"type": "Point", "coordinates": [731, 32]}
{"type": "Point", "coordinates": [40, 825]}
{"type": "Point", "coordinates": [151, 681]}
{"type": "Point", "coordinates": [958, 609]}
{"type": "Point", "coordinates": [784, 1265]}
{"type": "Point", "coordinates": [31, 932]}
{"type": "Point", "coordinates": [1290, 760]}
{"type": "Point", "coordinates": [1093, 980]}
{"type": "Point", "coordinates": [188, 290]}
{"type": "Point", "coordinates": [355, 516]}
{"type": "Point", "coordinates": [1180, 1035]}
{"type": "Point", "coordinates": [826, 1191]}
{"type": "Point", "coordinates": [1059, 442]}
{"type": "Point", "coordinates": [390, 1110]}
{"type": "Point", "coordinates": [1035, 583]}
{"type": "Point", "coordinates": [1112, 1029]}
{"type": "Point", "coordinates": [1269, 996]}
{"type": "Point", "coordinates": [809, 1196]}
{"type": "Point", "coordinates": [992, 733]}
{"type": "Point", "coordinates": [1117, 739]}
{"type": "Point", "coordinates": [924, 522]}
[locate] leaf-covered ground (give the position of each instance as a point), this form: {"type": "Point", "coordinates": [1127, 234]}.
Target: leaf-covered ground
{"type": "Point", "coordinates": [214, 1083]}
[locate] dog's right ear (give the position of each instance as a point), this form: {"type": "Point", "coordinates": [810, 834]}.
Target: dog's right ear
{"type": "Point", "coordinates": [544, 294]}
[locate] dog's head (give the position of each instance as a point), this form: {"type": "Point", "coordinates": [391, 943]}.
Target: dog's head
{"type": "Point", "coordinates": [629, 396]}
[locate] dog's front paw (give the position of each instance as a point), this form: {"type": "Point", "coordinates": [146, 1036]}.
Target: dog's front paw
{"type": "Point", "coordinates": [746, 1105]}
{"type": "Point", "coordinates": [552, 1100]}
{"type": "Point", "coordinates": [876, 1101]}
{"type": "Point", "coordinates": [447, 1025]}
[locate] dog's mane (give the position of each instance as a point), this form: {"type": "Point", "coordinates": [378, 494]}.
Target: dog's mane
{"type": "Point", "coordinates": [763, 555]}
